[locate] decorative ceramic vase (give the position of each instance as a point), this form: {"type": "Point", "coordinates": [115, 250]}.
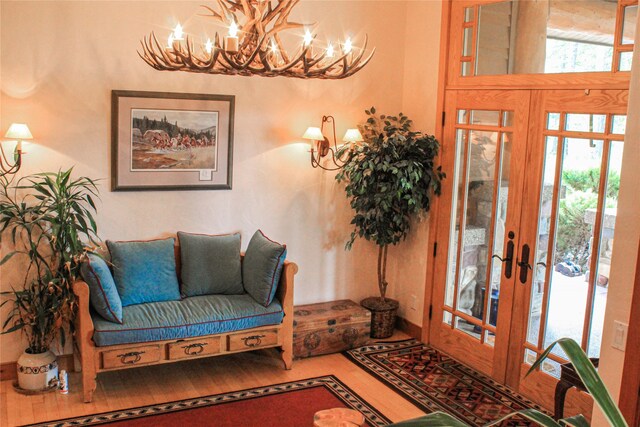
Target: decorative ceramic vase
{"type": "Point", "coordinates": [36, 371]}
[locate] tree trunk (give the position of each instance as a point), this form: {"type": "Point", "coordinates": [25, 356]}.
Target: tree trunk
{"type": "Point", "coordinates": [382, 271]}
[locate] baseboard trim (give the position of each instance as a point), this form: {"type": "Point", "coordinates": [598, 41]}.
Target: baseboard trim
{"type": "Point", "coordinates": [409, 328]}
{"type": "Point", "coordinates": [8, 370]}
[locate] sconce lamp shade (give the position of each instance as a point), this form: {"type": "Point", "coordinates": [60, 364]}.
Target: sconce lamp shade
{"type": "Point", "coordinates": [353, 135]}
{"type": "Point", "coordinates": [18, 131]}
{"type": "Point", "coordinates": [314, 134]}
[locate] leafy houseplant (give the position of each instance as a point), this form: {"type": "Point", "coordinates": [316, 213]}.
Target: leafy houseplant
{"type": "Point", "coordinates": [389, 178]}
{"type": "Point", "coordinates": [46, 216]}
{"type": "Point", "coordinates": [588, 375]}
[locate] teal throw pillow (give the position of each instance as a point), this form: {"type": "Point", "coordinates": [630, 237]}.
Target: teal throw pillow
{"type": "Point", "coordinates": [145, 271]}
{"type": "Point", "coordinates": [103, 293]}
{"type": "Point", "coordinates": [262, 267]}
{"type": "Point", "coordinates": [210, 264]}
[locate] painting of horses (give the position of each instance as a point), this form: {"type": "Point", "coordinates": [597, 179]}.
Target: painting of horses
{"type": "Point", "coordinates": [173, 140]}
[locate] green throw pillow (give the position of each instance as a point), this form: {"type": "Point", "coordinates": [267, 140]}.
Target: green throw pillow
{"type": "Point", "coordinates": [262, 267]}
{"type": "Point", "coordinates": [145, 271]}
{"type": "Point", "coordinates": [103, 293]}
{"type": "Point", "coordinates": [210, 264]}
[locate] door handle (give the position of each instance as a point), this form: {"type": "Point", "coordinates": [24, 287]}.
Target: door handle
{"type": "Point", "coordinates": [508, 260]}
{"type": "Point", "coordinates": [524, 264]}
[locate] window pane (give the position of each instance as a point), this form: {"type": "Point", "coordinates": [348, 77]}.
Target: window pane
{"type": "Point", "coordinates": [507, 119]}
{"type": "Point", "coordinates": [456, 210]}
{"type": "Point", "coordinates": [553, 121]}
{"type": "Point", "coordinates": [619, 125]}
{"type": "Point", "coordinates": [463, 117]}
{"type": "Point", "coordinates": [606, 247]}
{"type": "Point", "coordinates": [468, 14]}
{"type": "Point", "coordinates": [485, 117]}
{"type": "Point", "coordinates": [626, 58]}
{"type": "Point", "coordinates": [526, 37]}
{"type": "Point", "coordinates": [578, 194]}
{"type": "Point", "coordinates": [585, 122]}
{"type": "Point", "coordinates": [542, 243]}
{"type": "Point", "coordinates": [494, 38]}
{"type": "Point", "coordinates": [530, 356]}
{"type": "Point", "coordinates": [567, 56]}
{"type": "Point", "coordinates": [466, 69]}
{"type": "Point", "coordinates": [629, 24]}
{"type": "Point", "coordinates": [489, 338]}
{"type": "Point", "coordinates": [499, 230]}
{"type": "Point", "coordinates": [468, 328]}
{"type": "Point", "coordinates": [477, 222]}
{"type": "Point", "coordinates": [446, 318]}
{"type": "Point", "coordinates": [467, 41]}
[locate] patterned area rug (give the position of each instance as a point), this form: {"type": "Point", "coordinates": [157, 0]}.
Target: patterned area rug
{"type": "Point", "coordinates": [435, 382]}
{"type": "Point", "coordinates": [289, 404]}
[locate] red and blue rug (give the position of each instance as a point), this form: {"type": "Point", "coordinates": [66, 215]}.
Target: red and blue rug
{"type": "Point", "coordinates": [434, 381]}
{"type": "Point", "coordinates": [291, 404]}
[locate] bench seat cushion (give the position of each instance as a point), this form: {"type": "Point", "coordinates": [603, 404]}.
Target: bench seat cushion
{"type": "Point", "coordinates": [190, 317]}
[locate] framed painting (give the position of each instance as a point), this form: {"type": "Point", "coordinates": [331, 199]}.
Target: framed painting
{"type": "Point", "coordinates": [171, 141]}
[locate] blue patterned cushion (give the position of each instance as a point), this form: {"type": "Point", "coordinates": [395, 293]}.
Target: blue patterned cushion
{"type": "Point", "coordinates": [102, 289]}
{"type": "Point", "coordinates": [262, 267]}
{"type": "Point", "coordinates": [145, 271]}
{"type": "Point", "coordinates": [190, 317]}
{"type": "Point", "coordinates": [210, 264]}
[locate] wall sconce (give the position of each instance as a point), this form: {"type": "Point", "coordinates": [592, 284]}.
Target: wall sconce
{"type": "Point", "coordinates": [19, 132]}
{"type": "Point", "coordinates": [323, 147]}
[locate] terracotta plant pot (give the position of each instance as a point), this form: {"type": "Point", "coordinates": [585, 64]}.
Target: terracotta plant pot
{"type": "Point", "coordinates": [383, 315]}
{"type": "Point", "coordinates": [36, 371]}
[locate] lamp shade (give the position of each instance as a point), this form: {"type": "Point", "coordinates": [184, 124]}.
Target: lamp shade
{"type": "Point", "coordinates": [314, 134]}
{"type": "Point", "coordinates": [18, 131]}
{"type": "Point", "coordinates": [352, 135]}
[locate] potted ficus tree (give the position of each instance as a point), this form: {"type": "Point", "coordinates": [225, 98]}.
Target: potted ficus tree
{"type": "Point", "coordinates": [389, 179]}
{"type": "Point", "coordinates": [48, 220]}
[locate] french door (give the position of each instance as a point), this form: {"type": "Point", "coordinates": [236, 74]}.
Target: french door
{"type": "Point", "coordinates": [527, 227]}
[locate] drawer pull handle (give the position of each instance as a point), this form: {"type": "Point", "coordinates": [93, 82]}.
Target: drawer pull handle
{"type": "Point", "coordinates": [253, 340]}
{"type": "Point", "coordinates": [197, 348]}
{"type": "Point", "coordinates": [125, 358]}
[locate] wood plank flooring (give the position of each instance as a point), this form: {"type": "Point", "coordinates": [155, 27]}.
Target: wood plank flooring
{"type": "Point", "coordinates": [183, 380]}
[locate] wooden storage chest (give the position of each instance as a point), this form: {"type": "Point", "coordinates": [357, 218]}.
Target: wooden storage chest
{"type": "Point", "coordinates": [329, 327]}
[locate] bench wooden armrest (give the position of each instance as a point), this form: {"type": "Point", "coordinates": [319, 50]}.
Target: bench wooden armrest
{"type": "Point", "coordinates": [84, 347]}
{"type": "Point", "coordinates": [284, 293]}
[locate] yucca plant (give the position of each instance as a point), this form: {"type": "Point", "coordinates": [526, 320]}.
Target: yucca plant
{"type": "Point", "coordinates": [48, 219]}
{"type": "Point", "coordinates": [588, 375]}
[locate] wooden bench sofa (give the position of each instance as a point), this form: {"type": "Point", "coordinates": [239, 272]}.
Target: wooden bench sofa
{"type": "Point", "coordinates": [92, 359]}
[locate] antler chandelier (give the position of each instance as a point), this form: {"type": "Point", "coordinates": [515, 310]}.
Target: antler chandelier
{"type": "Point", "coordinates": [254, 47]}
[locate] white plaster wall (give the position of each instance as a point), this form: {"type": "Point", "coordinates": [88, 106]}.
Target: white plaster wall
{"type": "Point", "coordinates": [408, 261]}
{"type": "Point", "coordinates": [627, 237]}
{"type": "Point", "coordinates": [60, 61]}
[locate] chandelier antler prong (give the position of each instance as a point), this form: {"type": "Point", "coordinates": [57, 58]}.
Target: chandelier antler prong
{"type": "Point", "coordinates": [254, 46]}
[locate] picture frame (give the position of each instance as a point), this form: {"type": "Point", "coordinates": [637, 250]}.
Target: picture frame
{"type": "Point", "coordinates": [163, 141]}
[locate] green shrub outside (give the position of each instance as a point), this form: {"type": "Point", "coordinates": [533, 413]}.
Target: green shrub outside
{"type": "Point", "coordinates": [574, 234]}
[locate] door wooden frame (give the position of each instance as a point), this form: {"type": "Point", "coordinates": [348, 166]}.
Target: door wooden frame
{"type": "Point", "coordinates": [448, 80]}
{"type": "Point", "coordinates": [490, 360]}
{"type": "Point", "coordinates": [435, 201]}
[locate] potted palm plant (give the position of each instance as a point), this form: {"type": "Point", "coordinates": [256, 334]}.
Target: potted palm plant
{"type": "Point", "coordinates": [47, 218]}
{"type": "Point", "coordinates": [389, 179]}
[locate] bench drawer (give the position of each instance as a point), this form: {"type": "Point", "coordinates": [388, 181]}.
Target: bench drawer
{"type": "Point", "coordinates": [255, 339]}
{"type": "Point", "coordinates": [132, 356]}
{"type": "Point", "coordinates": [185, 349]}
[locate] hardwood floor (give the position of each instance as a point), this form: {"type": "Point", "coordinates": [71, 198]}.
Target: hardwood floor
{"type": "Point", "coordinates": [164, 383]}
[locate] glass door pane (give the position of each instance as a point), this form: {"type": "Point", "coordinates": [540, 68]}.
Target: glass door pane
{"type": "Point", "coordinates": [576, 223]}
{"type": "Point", "coordinates": [481, 183]}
